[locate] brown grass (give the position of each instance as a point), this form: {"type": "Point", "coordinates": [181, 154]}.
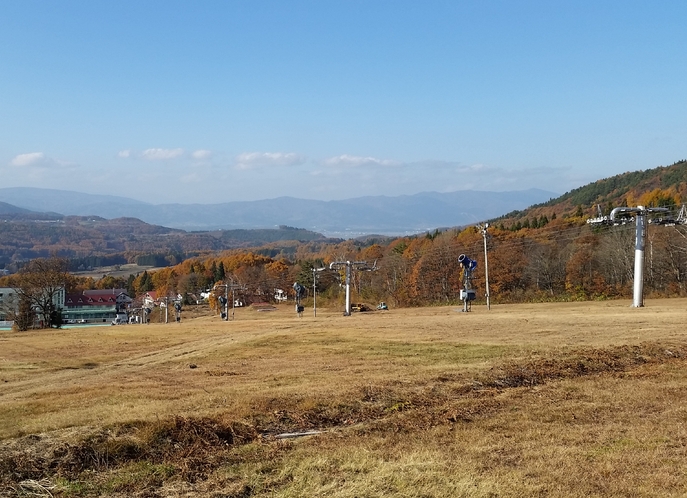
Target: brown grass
{"type": "Point", "coordinates": [572, 399]}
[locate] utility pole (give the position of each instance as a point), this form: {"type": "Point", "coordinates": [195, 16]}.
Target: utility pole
{"type": "Point", "coordinates": [483, 229]}
{"type": "Point", "coordinates": [314, 289]}
{"type": "Point", "coordinates": [226, 302]}
{"type": "Point", "coordinates": [640, 213]}
{"type": "Point", "coordinates": [234, 287]}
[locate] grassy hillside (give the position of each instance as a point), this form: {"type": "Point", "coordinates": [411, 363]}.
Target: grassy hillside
{"type": "Point", "coordinates": [555, 400]}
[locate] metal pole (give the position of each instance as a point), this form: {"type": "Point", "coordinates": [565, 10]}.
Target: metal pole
{"type": "Point", "coordinates": [226, 302]}
{"type": "Point", "coordinates": [166, 310]}
{"type": "Point", "coordinates": [349, 264]}
{"type": "Point", "coordinates": [638, 295]}
{"type": "Point", "coordinates": [348, 289]}
{"type": "Point", "coordinates": [486, 263]}
{"type": "Point", "coordinates": [640, 213]}
{"type": "Point", "coordinates": [314, 291]}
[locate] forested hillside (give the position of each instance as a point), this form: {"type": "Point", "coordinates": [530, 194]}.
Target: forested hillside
{"type": "Point", "coordinates": [25, 236]}
{"type": "Point", "coordinates": [663, 186]}
{"type": "Point", "coordinates": [547, 252]}
{"type": "Point", "coordinates": [565, 260]}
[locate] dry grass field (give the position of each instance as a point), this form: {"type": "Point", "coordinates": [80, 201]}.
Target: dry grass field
{"type": "Point", "coordinates": [115, 271]}
{"type": "Point", "coordinates": [569, 399]}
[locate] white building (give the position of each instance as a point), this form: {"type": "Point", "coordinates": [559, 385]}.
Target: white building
{"type": "Point", "coordinates": [8, 303]}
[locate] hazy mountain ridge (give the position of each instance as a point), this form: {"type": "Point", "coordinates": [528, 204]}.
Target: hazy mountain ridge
{"type": "Point", "coordinates": [6, 208]}
{"type": "Point", "coordinates": [372, 214]}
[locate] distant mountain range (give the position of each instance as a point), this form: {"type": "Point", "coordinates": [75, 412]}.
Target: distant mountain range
{"type": "Point", "coordinates": [6, 208]}
{"type": "Point", "coordinates": [343, 218]}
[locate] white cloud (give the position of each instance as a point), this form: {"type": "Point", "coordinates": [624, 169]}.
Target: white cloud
{"type": "Point", "coordinates": [28, 159]}
{"type": "Point", "coordinates": [251, 160]}
{"type": "Point", "coordinates": [161, 154]}
{"type": "Point", "coordinates": [356, 161]}
{"type": "Point", "coordinates": [201, 154]}
{"type": "Point", "coordinates": [124, 153]}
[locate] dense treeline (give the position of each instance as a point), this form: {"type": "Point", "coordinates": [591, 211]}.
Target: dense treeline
{"type": "Point", "coordinates": [565, 260]}
{"type": "Point", "coordinates": [545, 252]}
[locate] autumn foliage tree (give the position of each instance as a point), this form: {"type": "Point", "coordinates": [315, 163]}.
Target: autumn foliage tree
{"type": "Point", "coordinates": [39, 285]}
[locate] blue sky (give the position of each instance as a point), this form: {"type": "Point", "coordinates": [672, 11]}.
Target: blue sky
{"type": "Point", "coordinates": [206, 101]}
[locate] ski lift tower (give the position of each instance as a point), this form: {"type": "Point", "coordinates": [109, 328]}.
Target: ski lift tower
{"type": "Point", "coordinates": [348, 265]}
{"type": "Point", "coordinates": [467, 293]}
{"type": "Point", "coordinates": [224, 300]}
{"type": "Point", "coordinates": [639, 213]}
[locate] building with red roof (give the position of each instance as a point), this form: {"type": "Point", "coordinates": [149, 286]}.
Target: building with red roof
{"type": "Point", "coordinates": [95, 306]}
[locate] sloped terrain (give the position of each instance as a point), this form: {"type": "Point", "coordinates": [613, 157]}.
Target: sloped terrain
{"type": "Point", "coordinates": [572, 399]}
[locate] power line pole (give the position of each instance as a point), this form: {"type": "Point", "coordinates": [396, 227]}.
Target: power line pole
{"type": "Point", "coordinates": [314, 289]}
{"type": "Point", "coordinates": [483, 229]}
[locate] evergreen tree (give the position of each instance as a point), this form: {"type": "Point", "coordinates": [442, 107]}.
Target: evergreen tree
{"type": "Point", "coordinates": [130, 287]}
{"type": "Point", "coordinates": [213, 273]}
{"type": "Point", "coordinates": [146, 283]}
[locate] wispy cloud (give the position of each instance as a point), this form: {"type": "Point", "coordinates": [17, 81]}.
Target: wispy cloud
{"type": "Point", "coordinates": [28, 159]}
{"type": "Point", "coordinates": [201, 154]}
{"type": "Point", "coordinates": [161, 154]}
{"type": "Point", "coordinates": [124, 154]}
{"type": "Point", "coordinates": [252, 160]}
{"type": "Point", "coordinates": [356, 161]}
{"type": "Point", "coordinates": [39, 170]}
